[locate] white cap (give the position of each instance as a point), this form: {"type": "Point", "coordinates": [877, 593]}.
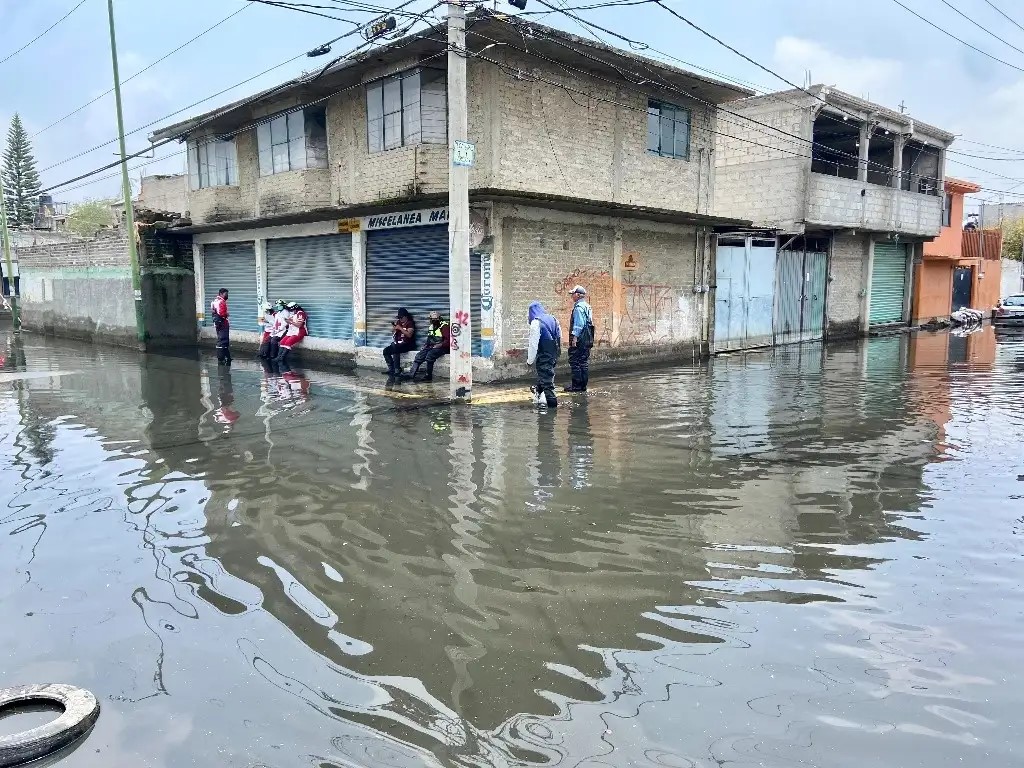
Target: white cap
{"type": "Point", "coordinates": [580, 290]}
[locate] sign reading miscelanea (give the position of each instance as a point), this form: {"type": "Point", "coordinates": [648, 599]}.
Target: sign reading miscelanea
{"type": "Point", "coordinates": [423, 217]}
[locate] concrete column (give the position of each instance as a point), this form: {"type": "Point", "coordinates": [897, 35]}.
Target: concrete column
{"type": "Point", "coordinates": [197, 269]}
{"type": "Point", "coordinates": [260, 245]}
{"type": "Point", "coordinates": [497, 261]}
{"type": "Point", "coordinates": [359, 288]}
{"type": "Point", "coordinates": [865, 146]}
{"type": "Point", "coordinates": [897, 160]}
{"type": "Point", "coordinates": [616, 285]}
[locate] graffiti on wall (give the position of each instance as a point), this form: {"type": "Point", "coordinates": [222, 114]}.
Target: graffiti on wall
{"type": "Point", "coordinates": [648, 314]}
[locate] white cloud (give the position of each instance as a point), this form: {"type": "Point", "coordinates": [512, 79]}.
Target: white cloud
{"type": "Point", "coordinates": [857, 75]}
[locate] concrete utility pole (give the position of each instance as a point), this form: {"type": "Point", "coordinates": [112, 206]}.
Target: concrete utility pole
{"type": "Point", "coordinates": [126, 187]}
{"type": "Point", "coordinates": [5, 233]}
{"type": "Point", "coordinates": [460, 159]}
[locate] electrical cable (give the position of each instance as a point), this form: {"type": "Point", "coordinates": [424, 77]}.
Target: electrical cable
{"type": "Point", "coordinates": [931, 23]}
{"type": "Point", "coordinates": [1001, 13]}
{"type": "Point", "coordinates": [141, 71]}
{"type": "Point", "coordinates": [982, 27]}
{"type": "Point", "coordinates": [218, 113]}
{"type": "Point", "coordinates": [37, 37]}
{"type": "Point", "coordinates": [294, 7]}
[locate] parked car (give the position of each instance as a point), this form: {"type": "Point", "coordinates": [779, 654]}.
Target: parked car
{"type": "Point", "coordinates": [1009, 311]}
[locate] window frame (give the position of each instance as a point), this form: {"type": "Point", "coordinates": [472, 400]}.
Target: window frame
{"type": "Point", "coordinates": [207, 160]}
{"type": "Point", "coordinates": [295, 140]}
{"type": "Point", "coordinates": [947, 210]}
{"type": "Point", "coordinates": [406, 109]}
{"type": "Point", "coordinates": [656, 108]}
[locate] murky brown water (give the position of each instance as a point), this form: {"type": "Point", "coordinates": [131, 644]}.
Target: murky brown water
{"type": "Point", "coordinates": [810, 557]}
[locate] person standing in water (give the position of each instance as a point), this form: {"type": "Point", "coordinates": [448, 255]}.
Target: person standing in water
{"type": "Point", "coordinates": [544, 350]}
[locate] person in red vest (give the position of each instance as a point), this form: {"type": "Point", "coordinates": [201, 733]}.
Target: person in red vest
{"type": "Point", "coordinates": [296, 332]}
{"type": "Point", "coordinates": [219, 310]}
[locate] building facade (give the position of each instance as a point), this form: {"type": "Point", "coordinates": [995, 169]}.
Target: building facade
{"type": "Point", "coordinates": [845, 193]}
{"type": "Point", "coordinates": [957, 269]}
{"type": "Point", "coordinates": [332, 191]}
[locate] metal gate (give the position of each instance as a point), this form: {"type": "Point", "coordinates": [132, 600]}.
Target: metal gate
{"type": "Point", "coordinates": [888, 283]}
{"type": "Point", "coordinates": [963, 285]}
{"type": "Point", "coordinates": [744, 293]}
{"type": "Point", "coordinates": [316, 272]}
{"type": "Point", "coordinates": [408, 267]}
{"type": "Point", "coordinates": [800, 291]}
{"type": "Point", "coordinates": [232, 266]}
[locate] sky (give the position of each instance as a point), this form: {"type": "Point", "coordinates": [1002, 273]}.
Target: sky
{"type": "Point", "coordinates": [870, 48]}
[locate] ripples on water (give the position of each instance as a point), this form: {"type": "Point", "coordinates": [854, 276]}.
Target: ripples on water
{"type": "Point", "coordinates": [801, 557]}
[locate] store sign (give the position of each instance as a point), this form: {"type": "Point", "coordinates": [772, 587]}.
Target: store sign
{"type": "Point", "coordinates": [348, 226]}
{"type": "Point", "coordinates": [463, 153]}
{"type": "Point", "coordinates": [419, 218]}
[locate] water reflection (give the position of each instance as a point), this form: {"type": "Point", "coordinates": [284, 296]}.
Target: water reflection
{"type": "Point", "coordinates": [751, 562]}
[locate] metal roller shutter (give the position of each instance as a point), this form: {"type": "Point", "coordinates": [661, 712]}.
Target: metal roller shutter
{"type": "Point", "coordinates": [408, 267]}
{"type": "Point", "coordinates": [316, 272]}
{"type": "Point", "coordinates": [232, 266]}
{"type": "Point", "coordinates": [888, 283]}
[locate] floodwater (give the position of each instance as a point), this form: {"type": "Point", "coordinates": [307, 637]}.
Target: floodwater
{"type": "Point", "coordinates": [806, 557]}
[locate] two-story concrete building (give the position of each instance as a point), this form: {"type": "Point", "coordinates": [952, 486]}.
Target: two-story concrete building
{"type": "Point", "coordinates": [593, 166]}
{"type": "Point", "coordinates": [847, 192]}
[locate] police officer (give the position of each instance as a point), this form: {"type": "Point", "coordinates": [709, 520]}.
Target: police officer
{"type": "Point", "coordinates": [437, 345]}
{"type": "Point", "coordinates": [581, 339]}
{"type": "Point", "coordinates": [544, 351]}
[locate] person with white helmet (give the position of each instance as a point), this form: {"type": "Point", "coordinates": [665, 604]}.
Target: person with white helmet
{"type": "Point", "coordinates": [278, 327]}
{"type": "Point", "coordinates": [266, 323]}
{"type": "Point", "coordinates": [294, 334]}
{"type": "Point", "coordinates": [581, 340]}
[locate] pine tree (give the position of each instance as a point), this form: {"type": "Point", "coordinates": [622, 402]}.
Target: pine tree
{"type": "Point", "coordinates": [21, 180]}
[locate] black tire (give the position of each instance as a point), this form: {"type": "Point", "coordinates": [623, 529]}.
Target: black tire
{"type": "Point", "coordinates": [80, 712]}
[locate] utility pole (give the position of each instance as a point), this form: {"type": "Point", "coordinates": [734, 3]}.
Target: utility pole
{"type": "Point", "coordinates": [5, 233]}
{"type": "Point", "coordinates": [126, 187]}
{"type": "Point", "coordinates": [461, 157]}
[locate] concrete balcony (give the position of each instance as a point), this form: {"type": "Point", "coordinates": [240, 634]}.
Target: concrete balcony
{"type": "Point", "coordinates": [834, 202]}
{"type": "Point", "coordinates": [214, 204]}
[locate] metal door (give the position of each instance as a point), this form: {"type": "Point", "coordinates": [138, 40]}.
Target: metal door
{"type": "Point", "coordinates": [408, 267]}
{"type": "Point", "coordinates": [888, 283]}
{"type": "Point", "coordinates": [232, 266]}
{"type": "Point", "coordinates": [316, 272]}
{"type": "Point", "coordinates": [816, 269]}
{"type": "Point", "coordinates": [744, 293]}
{"type": "Point", "coordinates": [789, 317]}
{"type": "Point", "coordinates": [963, 284]}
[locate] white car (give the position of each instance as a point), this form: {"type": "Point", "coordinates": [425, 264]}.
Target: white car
{"type": "Point", "coordinates": [1009, 311]}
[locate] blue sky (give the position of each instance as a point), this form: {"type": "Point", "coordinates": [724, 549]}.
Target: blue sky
{"type": "Point", "coordinates": [870, 48]}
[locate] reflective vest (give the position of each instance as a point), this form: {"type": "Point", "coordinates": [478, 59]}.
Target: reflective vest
{"type": "Point", "coordinates": [436, 335]}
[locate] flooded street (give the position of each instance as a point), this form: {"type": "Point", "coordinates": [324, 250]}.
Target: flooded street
{"type": "Point", "coordinates": [804, 557]}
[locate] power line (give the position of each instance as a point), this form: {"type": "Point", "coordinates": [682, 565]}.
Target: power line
{"type": "Point", "coordinates": [931, 23]}
{"type": "Point", "coordinates": [1001, 13]}
{"type": "Point", "coordinates": [141, 71]}
{"type": "Point", "coordinates": [34, 39]}
{"type": "Point", "coordinates": [305, 9]}
{"type": "Point", "coordinates": [982, 27]}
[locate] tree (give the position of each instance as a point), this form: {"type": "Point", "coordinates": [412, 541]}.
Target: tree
{"type": "Point", "coordinates": [21, 180]}
{"type": "Point", "coordinates": [1013, 239]}
{"type": "Point", "coordinates": [86, 218]}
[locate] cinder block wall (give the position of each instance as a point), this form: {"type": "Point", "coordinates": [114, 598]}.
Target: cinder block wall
{"type": "Point", "coordinates": [761, 174]}
{"type": "Point", "coordinates": [650, 312]}
{"type": "Point", "coordinates": [848, 278]}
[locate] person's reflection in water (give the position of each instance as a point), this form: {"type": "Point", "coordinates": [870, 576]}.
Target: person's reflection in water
{"type": "Point", "coordinates": [295, 389]}
{"type": "Point", "coordinates": [225, 414]}
{"type": "Point", "coordinates": [581, 445]}
{"type": "Point", "coordinates": [546, 474]}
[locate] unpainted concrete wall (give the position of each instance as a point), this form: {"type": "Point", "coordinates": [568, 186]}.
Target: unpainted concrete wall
{"type": "Point", "coordinates": [837, 202]}
{"type": "Point", "coordinates": [847, 286]}
{"type": "Point", "coordinates": [530, 136]}
{"type": "Point", "coordinates": [1010, 280]}
{"type": "Point", "coordinates": [761, 174]}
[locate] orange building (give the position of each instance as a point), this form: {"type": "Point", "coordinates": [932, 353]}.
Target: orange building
{"type": "Point", "coordinates": [959, 269]}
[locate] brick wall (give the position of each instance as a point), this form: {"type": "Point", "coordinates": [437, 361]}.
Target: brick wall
{"type": "Point", "coordinates": [761, 174]}
{"type": "Point", "coordinates": [841, 202]}
{"type": "Point", "coordinates": [847, 282]}
{"type": "Point", "coordinates": [545, 255]}
{"type": "Point", "coordinates": [164, 193]}
{"type": "Point", "coordinates": [110, 249]}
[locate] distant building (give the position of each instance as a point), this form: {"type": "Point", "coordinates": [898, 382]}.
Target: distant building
{"type": "Point", "coordinates": [992, 215]}
{"type": "Point", "coordinates": [163, 193]}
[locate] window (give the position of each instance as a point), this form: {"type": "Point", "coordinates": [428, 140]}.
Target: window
{"type": "Point", "coordinates": [293, 141]}
{"type": "Point", "coordinates": [668, 130]}
{"type": "Point", "coordinates": [407, 109]}
{"type": "Point", "coordinates": [947, 210]}
{"type": "Point", "coordinates": [212, 164]}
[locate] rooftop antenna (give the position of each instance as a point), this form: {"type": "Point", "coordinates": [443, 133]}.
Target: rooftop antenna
{"type": "Point", "coordinates": [903, 107]}
{"type": "Point", "coordinates": [807, 78]}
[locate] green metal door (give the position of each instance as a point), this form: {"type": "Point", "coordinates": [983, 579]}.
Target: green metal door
{"type": "Point", "coordinates": [888, 283]}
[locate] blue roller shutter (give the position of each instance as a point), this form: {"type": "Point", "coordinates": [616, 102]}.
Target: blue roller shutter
{"type": "Point", "coordinates": [316, 272]}
{"type": "Point", "coordinates": [408, 267]}
{"type": "Point", "coordinates": [888, 283]}
{"type": "Point", "coordinates": [232, 266]}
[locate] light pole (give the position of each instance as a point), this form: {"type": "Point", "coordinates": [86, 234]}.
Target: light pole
{"type": "Point", "coordinates": [5, 233]}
